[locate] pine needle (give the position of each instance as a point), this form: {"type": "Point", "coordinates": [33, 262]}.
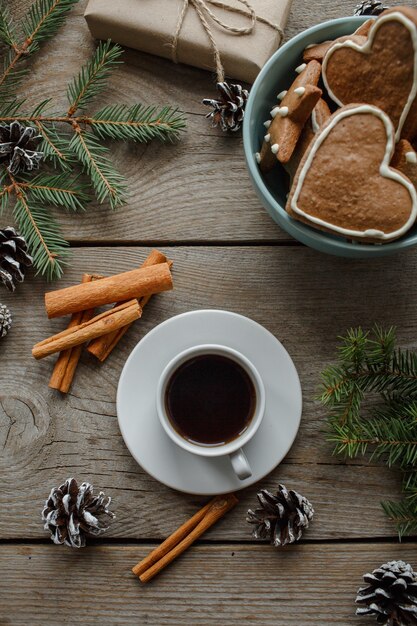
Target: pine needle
{"type": "Point", "coordinates": [47, 246]}
{"type": "Point", "coordinates": [43, 20]}
{"type": "Point", "coordinates": [107, 182]}
{"type": "Point", "coordinates": [39, 24]}
{"type": "Point", "coordinates": [56, 190]}
{"type": "Point", "coordinates": [7, 29]}
{"type": "Point", "coordinates": [137, 123]}
{"type": "Point", "coordinates": [93, 76]}
{"type": "Point", "coordinates": [369, 364]}
{"type": "Point", "coordinates": [55, 147]}
{"type": "Point", "coordinates": [67, 139]}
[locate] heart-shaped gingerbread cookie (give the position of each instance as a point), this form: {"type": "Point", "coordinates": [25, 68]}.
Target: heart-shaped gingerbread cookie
{"type": "Point", "coordinates": [382, 72]}
{"type": "Point", "coordinates": [344, 184]}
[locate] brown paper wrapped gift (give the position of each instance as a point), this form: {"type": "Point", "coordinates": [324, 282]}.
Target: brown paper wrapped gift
{"type": "Point", "coordinates": [150, 26]}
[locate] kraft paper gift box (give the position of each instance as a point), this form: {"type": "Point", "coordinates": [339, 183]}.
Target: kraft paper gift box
{"type": "Point", "coordinates": [150, 26]}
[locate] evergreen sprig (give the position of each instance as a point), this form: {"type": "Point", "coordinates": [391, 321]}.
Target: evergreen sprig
{"type": "Point", "coordinates": [70, 139]}
{"type": "Point", "coordinates": [108, 183]}
{"type": "Point", "coordinates": [93, 76]}
{"type": "Point", "coordinates": [370, 363]}
{"type": "Point", "coordinates": [7, 29]}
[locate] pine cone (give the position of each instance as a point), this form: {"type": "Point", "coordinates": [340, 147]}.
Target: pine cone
{"type": "Point", "coordinates": [369, 7]}
{"type": "Point", "coordinates": [5, 320]}
{"type": "Point", "coordinates": [229, 109]}
{"type": "Point", "coordinates": [17, 147]}
{"type": "Point", "coordinates": [71, 513]}
{"type": "Point", "coordinates": [391, 595]}
{"type": "Point", "coordinates": [14, 258]}
{"type": "Point", "coordinates": [282, 518]}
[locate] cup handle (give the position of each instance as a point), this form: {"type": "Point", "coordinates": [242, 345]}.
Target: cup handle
{"type": "Point", "coordinates": [240, 464]}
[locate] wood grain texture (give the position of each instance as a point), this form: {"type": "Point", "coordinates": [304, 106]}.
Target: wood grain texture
{"type": "Point", "coordinates": [197, 189]}
{"type": "Point", "coordinates": [299, 295]}
{"type": "Point", "coordinates": [208, 585]}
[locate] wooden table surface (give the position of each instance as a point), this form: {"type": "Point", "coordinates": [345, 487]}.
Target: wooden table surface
{"type": "Point", "coordinates": [195, 202]}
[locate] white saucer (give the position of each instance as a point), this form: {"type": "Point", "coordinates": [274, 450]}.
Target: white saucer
{"type": "Point", "coordinates": [136, 398]}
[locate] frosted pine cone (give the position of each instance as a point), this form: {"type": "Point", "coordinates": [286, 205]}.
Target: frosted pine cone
{"type": "Point", "coordinates": [14, 258]}
{"type": "Point", "coordinates": [369, 7]}
{"type": "Point", "coordinates": [18, 145]}
{"type": "Point", "coordinates": [282, 518]}
{"type": "Point", "coordinates": [229, 109]}
{"type": "Point", "coordinates": [390, 595]}
{"type": "Point", "coordinates": [5, 320]}
{"type": "Point", "coordinates": [73, 512]}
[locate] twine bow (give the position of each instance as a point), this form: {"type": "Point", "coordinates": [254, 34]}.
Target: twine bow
{"type": "Point", "coordinates": [205, 14]}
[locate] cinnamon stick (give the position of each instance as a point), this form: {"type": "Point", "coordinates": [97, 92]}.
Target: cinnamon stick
{"type": "Point", "coordinates": [172, 540]}
{"type": "Point", "coordinates": [136, 283]}
{"type": "Point", "coordinates": [103, 346]}
{"type": "Point", "coordinates": [66, 364]}
{"type": "Point", "coordinates": [108, 321]}
{"type": "Point", "coordinates": [184, 537]}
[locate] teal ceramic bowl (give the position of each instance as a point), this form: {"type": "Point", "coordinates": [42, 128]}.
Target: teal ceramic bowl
{"type": "Point", "coordinates": [272, 189]}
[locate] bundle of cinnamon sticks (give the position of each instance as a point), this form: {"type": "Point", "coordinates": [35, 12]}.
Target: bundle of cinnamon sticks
{"type": "Point", "coordinates": [130, 291]}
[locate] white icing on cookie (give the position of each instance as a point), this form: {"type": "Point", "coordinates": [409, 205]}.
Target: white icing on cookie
{"type": "Point", "coordinates": [258, 157]}
{"type": "Point", "coordinates": [300, 91]}
{"type": "Point", "coordinates": [267, 137]}
{"type": "Point", "coordinates": [310, 45]}
{"type": "Point", "coordinates": [282, 94]}
{"type": "Point", "coordinates": [301, 68]}
{"type": "Point", "coordinates": [314, 124]}
{"type": "Point", "coordinates": [374, 233]}
{"type": "Point", "coordinates": [367, 48]}
{"type": "Point", "coordinates": [275, 148]}
{"type": "Point", "coordinates": [411, 157]}
{"type": "Point", "coordinates": [385, 171]}
{"type": "Point", "coordinates": [267, 124]}
{"type": "Point", "coordinates": [283, 111]}
{"type": "Point", "coordinates": [274, 112]}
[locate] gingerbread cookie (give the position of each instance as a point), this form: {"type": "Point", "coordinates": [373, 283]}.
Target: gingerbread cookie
{"type": "Point", "coordinates": [382, 72]}
{"type": "Point", "coordinates": [409, 129]}
{"type": "Point", "coordinates": [317, 52]}
{"type": "Point", "coordinates": [289, 116]}
{"type": "Point", "coordinates": [405, 160]}
{"type": "Point", "coordinates": [319, 116]}
{"type": "Point", "coordinates": [365, 28]}
{"type": "Point", "coordinates": [306, 137]}
{"type": "Point", "coordinates": [344, 184]}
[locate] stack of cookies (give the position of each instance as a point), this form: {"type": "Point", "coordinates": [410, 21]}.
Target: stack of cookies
{"type": "Point", "coordinates": [346, 132]}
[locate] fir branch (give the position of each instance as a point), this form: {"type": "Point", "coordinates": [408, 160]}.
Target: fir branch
{"type": "Point", "coordinates": [92, 78]}
{"type": "Point", "coordinates": [56, 190]}
{"type": "Point", "coordinates": [394, 439]}
{"type": "Point", "coordinates": [62, 150]}
{"type": "Point", "coordinates": [107, 182]}
{"type": "Point", "coordinates": [55, 147]}
{"type": "Point", "coordinates": [403, 514]}
{"type": "Point", "coordinates": [40, 23]}
{"type": "Point", "coordinates": [46, 245]}
{"type": "Point", "coordinates": [10, 108]}
{"type": "Point", "coordinates": [137, 123]}
{"type": "Point", "coordinates": [370, 363]}
{"type": "Point", "coordinates": [43, 20]}
{"type": "Point", "coordinates": [10, 76]}
{"type": "Point", "coordinates": [7, 30]}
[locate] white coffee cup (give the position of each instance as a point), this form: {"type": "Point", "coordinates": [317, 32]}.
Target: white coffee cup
{"type": "Point", "coordinates": [232, 448]}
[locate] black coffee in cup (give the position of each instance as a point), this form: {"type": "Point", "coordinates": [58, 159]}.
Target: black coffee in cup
{"type": "Point", "coordinates": [210, 399]}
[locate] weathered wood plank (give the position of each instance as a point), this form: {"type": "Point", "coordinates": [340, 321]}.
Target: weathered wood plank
{"type": "Point", "coordinates": [300, 295]}
{"type": "Point", "coordinates": [300, 586]}
{"type": "Point", "coordinates": [195, 190]}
